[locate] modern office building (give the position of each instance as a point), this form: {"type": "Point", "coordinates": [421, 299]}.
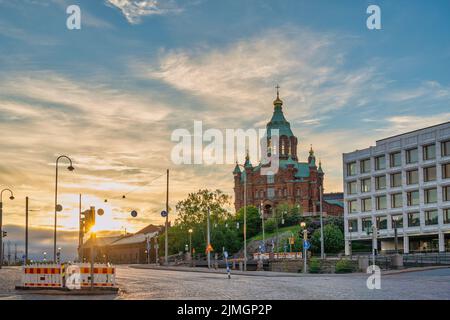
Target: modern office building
{"type": "Point", "coordinates": [403, 180]}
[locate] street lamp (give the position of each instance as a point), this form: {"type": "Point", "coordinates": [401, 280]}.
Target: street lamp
{"type": "Point", "coordinates": [350, 229]}
{"type": "Point", "coordinates": [395, 219]}
{"type": "Point", "coordinates": [57, 207]}
{"type": "Point", "coordinates": [305, 237]}
{"type": "Point", "coordinates": [190, 241]}
{"type": "Point", "coordinates": [245, 217]}
{"type": "Point", "coordinates": [11, 197]}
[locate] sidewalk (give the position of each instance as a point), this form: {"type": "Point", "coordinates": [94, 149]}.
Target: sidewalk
{"type": "Point", "coordinates": [277, 274]}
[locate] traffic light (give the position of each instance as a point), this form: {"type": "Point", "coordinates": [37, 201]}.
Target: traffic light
{"type": "Point", "coordinates": [88, 219]}
{"type": "Point", "coordinates": [5, 233]}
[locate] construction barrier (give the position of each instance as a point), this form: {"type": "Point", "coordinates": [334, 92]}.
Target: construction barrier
{"type": "Point", "coordinates": [43, 275]}
{"type": "Point", "coordinates": [71, 276]}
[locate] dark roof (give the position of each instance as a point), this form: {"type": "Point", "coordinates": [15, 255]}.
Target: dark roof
{"type": "Point", "coordinates": [150, 229]}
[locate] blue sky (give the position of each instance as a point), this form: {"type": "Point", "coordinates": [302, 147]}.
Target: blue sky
{"type": "Point", "coordinates": [111, 93]}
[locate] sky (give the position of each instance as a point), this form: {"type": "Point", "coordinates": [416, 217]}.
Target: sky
{"type": "Point", "coordinates": [110, 94]}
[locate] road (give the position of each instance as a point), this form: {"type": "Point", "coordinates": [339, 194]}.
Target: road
{"type": "Point", "coordinates": [162, 284]}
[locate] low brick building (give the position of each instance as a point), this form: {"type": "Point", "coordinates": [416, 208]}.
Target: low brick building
{"type": "Point", "coordinates": [136, 248]}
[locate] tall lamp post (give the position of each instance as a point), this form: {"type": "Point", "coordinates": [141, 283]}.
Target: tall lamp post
{"type": "Point", "coordinates": [11, 197]}
{"type": "Point", "coordinates": [70, 168]}
{"type": "Point", "coordinates": [322, 245]}
{"type": "Point", "coordinates": [395, 219]}
{"type": "Point", "coordinates": [245, 216]}
{"type": "Point", "coordinates": [305, 237]}
{"type": "Point", "coordinates": [190, 241]}
{"type": "Point", "coordinates": [350, 230]}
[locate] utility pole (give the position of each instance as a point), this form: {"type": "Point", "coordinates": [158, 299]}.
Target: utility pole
{"type": "Point", "coordinates": [245, 222]}
{"type": "Point", "coordinates": [15, 253]}
{"type": "Point", "coordinates": [26, 230]}
{"type": "Point", "coordinates": [80, 233]}
{"type": "Point", "coordinates": [322, 245]}
{"type": "Point", "coordinates": [166, 248]}
{"type": "Point", "coordinates": [208, 239]}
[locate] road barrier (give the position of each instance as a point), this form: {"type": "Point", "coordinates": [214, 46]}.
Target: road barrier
{"type": "Point", "coordinates": [78, 276]}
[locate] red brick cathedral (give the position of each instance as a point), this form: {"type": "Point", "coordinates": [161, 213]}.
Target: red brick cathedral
{"type": "Point", "coordinates": [295, 183]}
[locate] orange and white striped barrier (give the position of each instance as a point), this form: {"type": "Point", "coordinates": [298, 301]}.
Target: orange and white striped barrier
{"type": "Point", "coordinates": [78, 276]}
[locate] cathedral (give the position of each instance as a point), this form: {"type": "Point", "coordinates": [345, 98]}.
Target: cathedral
{"type": "Point", "coordinates": [296, 183]}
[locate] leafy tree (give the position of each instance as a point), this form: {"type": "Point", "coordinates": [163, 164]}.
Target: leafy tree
{"type": "Point", "coordinates": [333, 239]}
{"type": "Point", "coordinates": [253, 220]}
{"type": "Point", "coordinates": [270, 225]}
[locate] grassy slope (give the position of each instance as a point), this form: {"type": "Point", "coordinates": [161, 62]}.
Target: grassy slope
{"type": "Point", "coordinates": [293, 229]}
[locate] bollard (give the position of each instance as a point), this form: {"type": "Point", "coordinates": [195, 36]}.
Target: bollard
{"type": "Point", "coordinates": [240, 266]}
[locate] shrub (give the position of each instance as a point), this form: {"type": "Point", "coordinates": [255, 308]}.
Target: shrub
{"type": "Point", "coordinates": [314, 265]}
{"type": "Point", "coordinates": [344, 266]}
{"type": "Point", "coordinates": [270, 225]}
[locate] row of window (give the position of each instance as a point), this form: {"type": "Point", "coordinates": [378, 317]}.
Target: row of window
{"type": "Point", "coordinates": [412, 198]}
{"type": "Point", "coordinates": [431, 218]}
{"type": "Point", "coordinates": [412, 177]}
{"type": "Point", "coordinates": [395, 158]}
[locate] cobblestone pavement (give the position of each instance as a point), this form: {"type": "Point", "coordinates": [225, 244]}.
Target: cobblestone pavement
{"type": "Point", "coordinates": [161, 284]}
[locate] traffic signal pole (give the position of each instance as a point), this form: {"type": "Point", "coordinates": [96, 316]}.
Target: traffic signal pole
{"type": "Point", "coordinates": [166, 247]}
{"type": "Point", "coordinates": [26, 230]}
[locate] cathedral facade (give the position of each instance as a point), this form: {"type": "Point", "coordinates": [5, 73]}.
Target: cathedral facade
{"type": "Point", "coordinates": [296, 183]}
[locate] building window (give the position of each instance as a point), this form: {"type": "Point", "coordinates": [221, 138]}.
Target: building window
{"type": "Point", "coordinates": [446, 171]}
{"type": "Point", "coordinates": [366, 204]}
{"type": "Point", "coordinates": [366, 224]}
{"type": "Point", "coordinates": [412, 177]}
{"type": "Point", "coordinates": [445, 148]}
{"type": "Point", "coordinates": [256, 194]}
{"type": "Point", "coordinates": [351, 187]}
{"type": "Point", "coordinates": [396, 159]}
{"type": "Point", "coordinates": [413, 198]}
{"type": "Point", "coordinates": [352, 206]}
{"type": "Point", "coordinates": [380, 163]}
{"type": "Point", "coordinates": [430, 195]}
{"type": "Point", "coordinates": [365, 166]}
{"type": "Point", "coordinates": [429, 152]}
{"type": "Point", "coordinates": [396, 179]}
{"type": "Point", "coordinates": [270, 193]}
{"type": "Point", "coordinates": [382, 223]}
{"type": "Point", "coordinates": [431, 217]}
{"type": "Point", "coordinates": [380, 182]}
{"type": "Point", "coordinates": [381, 202]}
{"type": "Point", "coordinates": [365, 185]}
{"type": "Point", "coordinates": [396, 200]}
{"type": "Point", "coordinates": [351, 169]}
{"type": "Point", "coordinates": [270, 178]}
{"type": "Point", "coordinates": [353, 225]}
{"type": "Point", "coordinates": [397, 221]}
{"type": "Point", "coordinates": [429, 174]}
{"type": "Point", "coordinates": [446, 193]}
{"type": "Point", "coordinates": [412, 156]}
{"type": "Point", "coordinates": [413, 219]}
{"type": "Point", "coordinates": [446, 213]}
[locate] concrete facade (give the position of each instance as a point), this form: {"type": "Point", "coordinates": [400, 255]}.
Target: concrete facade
{"type": "Point", "coordinates": [411, 182]}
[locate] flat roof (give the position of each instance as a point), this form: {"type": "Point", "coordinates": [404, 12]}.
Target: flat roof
{"type": "Point", "coordinates": [402, 134]}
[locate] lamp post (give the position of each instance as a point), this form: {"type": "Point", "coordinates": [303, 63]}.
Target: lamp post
{"type": "Point", "coordinates": [70, 168]}
{"type": "Point", "coordinates": [245, 217]}
{"type": "Point", "coordinates": [11, 197]}
{"type": "Point", "coordinates": [322, 245]}
{"type": "Point", "coordinates": [395, 219]}
{"type": "Point", "coordinates": [305, 237]}
{"type": "Point", "coordinates": [350, 229]}
{"type": "Point", "coordinates": [261, 211]}
{"type": "Point", "coordinates": [190, 241]}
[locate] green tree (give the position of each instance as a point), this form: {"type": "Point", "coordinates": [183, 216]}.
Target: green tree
{"type": "Point", "coordinates": [253, 220]}
{"type": "Point", "coordinates": [333, 239]}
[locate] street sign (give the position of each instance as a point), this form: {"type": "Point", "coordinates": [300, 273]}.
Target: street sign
{"type": "Point", "coordinates": [306, 244]}
{"type": "Point", "coordinates": [209, 248]}
{"type": "Point", "coordinates": [225, 254]}
{"type": "Point", "coordinates": [164, 213]}
{"type": "Point", "coordinates": [134, 213]}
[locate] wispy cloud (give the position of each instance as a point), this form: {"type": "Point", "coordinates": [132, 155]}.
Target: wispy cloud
{"type": "Point", "coordinates": [134, 10]}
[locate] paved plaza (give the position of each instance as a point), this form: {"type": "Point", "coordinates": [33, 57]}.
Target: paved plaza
{"type": "Point", "coordinates": [162, 284]}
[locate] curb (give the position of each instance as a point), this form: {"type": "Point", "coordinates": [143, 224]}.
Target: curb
{"type": "Point", "coordinates": [248, 273]}
{"type": "Point", "coordinates": [409, 270]}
